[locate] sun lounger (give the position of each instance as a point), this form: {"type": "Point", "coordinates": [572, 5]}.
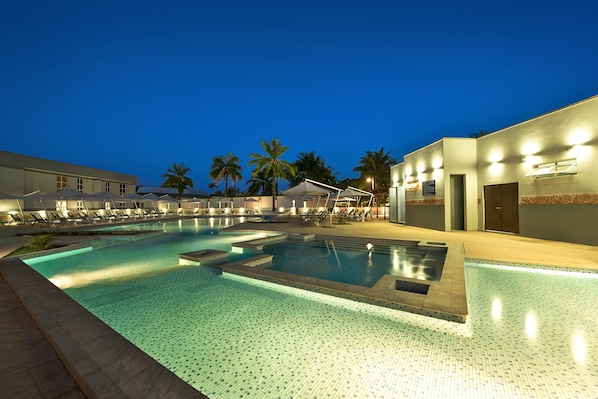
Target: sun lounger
{"type": "Point", "coordinates": [73, 219]}
{"type": "Point", "coordinates": [39, 219]}
{"type": "Point", "coordinates": [17, 219]}
{"type": "Point", "coordinates": [315, 218]}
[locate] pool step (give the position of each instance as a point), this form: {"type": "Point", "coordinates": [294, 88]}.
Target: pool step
{"type": "Point", "coordinates": [105, 242]}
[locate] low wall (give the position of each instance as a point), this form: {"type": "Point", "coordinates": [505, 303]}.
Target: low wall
{"type": "Point", "coordinates": [573, 223]}
{"type": "Point", "coordinates": [424, 214]}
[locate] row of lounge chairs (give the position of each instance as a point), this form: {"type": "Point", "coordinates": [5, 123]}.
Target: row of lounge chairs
{"type": "Point", "coordinates": [315, 217]}
{"type": "Point", "coordinates": [74, 218]}
{"type": "Point", "coordinates": [355, 214]}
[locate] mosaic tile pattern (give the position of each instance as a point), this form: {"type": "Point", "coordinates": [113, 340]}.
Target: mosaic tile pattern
{"type": "Point", "coordinates": [531, 334]}
{"type": "Point", "coordinates": [560, 199]}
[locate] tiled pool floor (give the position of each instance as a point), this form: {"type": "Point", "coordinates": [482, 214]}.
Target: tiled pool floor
{"type": "Point", "coordinates": [478, 245]}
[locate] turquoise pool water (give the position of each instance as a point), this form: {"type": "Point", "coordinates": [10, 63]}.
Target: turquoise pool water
{"type": "Point", "coordinates": [530, 333]}
{"type": "Point", "coordinates": [345, 261]}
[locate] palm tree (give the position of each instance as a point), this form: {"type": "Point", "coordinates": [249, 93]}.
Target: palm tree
{"type": "Point", "coordinates": [374, 171]}
{"type": "Point", "coordinates": [176, 177]}
{"type": "Point", "coordinates": [259, 184]}
{"type": "Point", "coordinates": [311, 166]}
{"type": "Point", "coordinates": [272, 165]}
{"type": "Point", "coordinates": [224, 168]}
{"type": "Point", "coordinates": [213, 186]}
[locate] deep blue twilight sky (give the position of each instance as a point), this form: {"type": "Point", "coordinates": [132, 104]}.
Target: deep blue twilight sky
{"type": "Point", "coordinates": [133, 86]}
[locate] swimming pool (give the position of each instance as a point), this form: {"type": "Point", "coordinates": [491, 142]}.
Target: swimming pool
{"type": "Point", "coordinates": [357, 262]}
{"type": "Point", "coordinates": [530, 333]}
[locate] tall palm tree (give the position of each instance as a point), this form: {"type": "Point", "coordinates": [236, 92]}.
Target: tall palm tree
{"type": "Point", "coordinates": [225, 168]}
{"type": "Point", "coordinates": [176, 177]}
{"type": "Point", "coordinates": [272, 165]}
{"type": "Point", "coordinates": [312, 166]}
{"type": "Point", "coordinates": [375, 165]}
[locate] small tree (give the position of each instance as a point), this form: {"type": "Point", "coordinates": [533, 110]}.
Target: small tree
{"type": "Point", "coordinates": [41, 241]}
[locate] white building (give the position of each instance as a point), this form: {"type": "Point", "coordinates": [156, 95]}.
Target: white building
{"type": "Point", "coordinates": [23, 174]}
{"type": "Point", "coordinates": [538, 178]}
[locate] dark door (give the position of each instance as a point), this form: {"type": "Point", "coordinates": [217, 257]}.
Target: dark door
{"type": "Point", "coordinates": [457, 203]}
{"type": "Point", "coordinates": [501, 207]}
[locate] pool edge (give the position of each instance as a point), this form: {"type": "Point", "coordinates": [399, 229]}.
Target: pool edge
{"type": "Point", "coordinates": [101, 361]}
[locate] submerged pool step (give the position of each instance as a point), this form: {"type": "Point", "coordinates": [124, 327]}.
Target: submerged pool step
{"type": "Point", "coordinates": [104, 242]}
{"type": "Point", "coordinates": [346, 245]}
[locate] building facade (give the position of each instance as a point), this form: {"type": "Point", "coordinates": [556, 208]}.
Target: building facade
{"type": "Point", "coordinates": [538, 178]}
{"type": "Point", "coordinates": [23, 174]}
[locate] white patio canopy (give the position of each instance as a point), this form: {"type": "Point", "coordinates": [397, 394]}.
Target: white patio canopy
{"type": "Point", "coordinates": [310, 188]}
{"type": "Point", "coordinates": [356, 192]}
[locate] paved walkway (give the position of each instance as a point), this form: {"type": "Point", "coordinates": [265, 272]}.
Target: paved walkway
{"type": "Point", "coordinates": [31, 369]}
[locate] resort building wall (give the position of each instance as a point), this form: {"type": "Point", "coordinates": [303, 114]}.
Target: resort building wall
{"type": "Point", "coordinates": [22, 174]}
{"type": "Point", "coordinates": [538, 178]}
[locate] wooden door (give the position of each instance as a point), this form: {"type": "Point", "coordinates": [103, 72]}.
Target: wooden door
{"type": "Point", "coordinates": [501, 207]}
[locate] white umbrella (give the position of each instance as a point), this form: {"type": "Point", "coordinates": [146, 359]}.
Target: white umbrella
{"type": "Point", "coordinates": [356, 192]}
{"type": "Point", "coordinates": [106, 196]}
{"type": "Point", "coordinates": [133, 197]}
{"type": "Point", "coordinates": [305, 189]}
{"type": "Point", "coordinates": [6, 196]}
{"type": "Point", "coordinates": [65, 194]}
{"type": "Point", "coordinates": [169, 200]}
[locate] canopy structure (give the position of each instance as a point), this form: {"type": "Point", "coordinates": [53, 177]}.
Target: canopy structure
{"type": "Point", "coordinates": [65, 194]}
{"type": "Point", "coordinates": [197, 200]}
{"type": "Point", "coordinates": [106, 196]}
{"type": "Point", "coordinates": [356, 192]}
{"type": "Point", "coordinates": [306, 189]}
{"type": "Point", "coordinates": [6, 196]}
{"type": "Point", "coordinates": [313, 188]}
{"type": "Point", "coordinates": [151, 197]}
{"type": "Point", "coordinates": [169, 200]}
{"type": "Point", "coordinates": [134, 197]}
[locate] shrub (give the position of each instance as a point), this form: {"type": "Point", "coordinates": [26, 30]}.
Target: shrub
{"type": "Point", "coordinates": [41, 241]}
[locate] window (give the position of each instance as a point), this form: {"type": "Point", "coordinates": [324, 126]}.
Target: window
{"type": "Point", "coordinates": [79, 184]}
{"type": "Point", "coordinates": [79, 205]}
{"type": "Point", "coordinates": [107, 187]}
{"type": "Point", "coordinates": [122, 189]}
{"type": "Point", "coordinates": [60, 182]}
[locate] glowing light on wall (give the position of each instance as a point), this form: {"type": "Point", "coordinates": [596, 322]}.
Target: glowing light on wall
{"type": "Point", "coordinates": [530, 160]}
{"type": "Point", "coordinates": [496, 168]}
{"type": "Point", "coordinates": [531, 325]}
{"type": "Point", "coordinates": [580, 351]}
{"type": "Point", "coordinates": [437, 163]}
{"type": "Point", "coordinates": [496, 309]}
{"type": "Point", "coordinates": [579, 136]}
{"type": "Point", "coordinates": [530, 148]}
{"type": "Point", "coordinates": [578, 150]}
{"type": "Point", "coordinates": [495, 156]}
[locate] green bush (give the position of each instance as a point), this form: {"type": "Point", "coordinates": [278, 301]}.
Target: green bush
{"type": "Point", "coordinates": [41, 241]}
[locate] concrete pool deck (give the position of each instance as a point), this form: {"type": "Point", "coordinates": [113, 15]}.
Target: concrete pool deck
{"type": "Point", "coordinates": [32, 369]}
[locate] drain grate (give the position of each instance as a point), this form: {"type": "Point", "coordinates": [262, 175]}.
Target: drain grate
{"type": "Point", "coordinates": [416, 288]}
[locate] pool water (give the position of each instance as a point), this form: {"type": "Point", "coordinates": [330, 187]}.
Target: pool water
{"type": "Point", "coordinates": [530, 333]}
{"type": "Point", "coordinates": [345, 261]}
